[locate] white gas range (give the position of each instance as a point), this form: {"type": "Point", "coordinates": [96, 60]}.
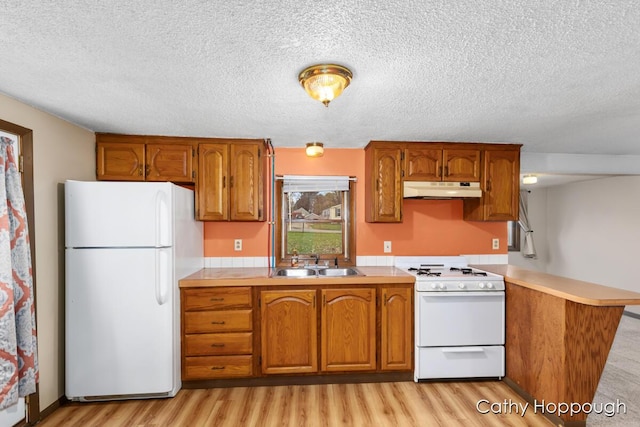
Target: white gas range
{"type": "Point", "coordinates": [459, 319]}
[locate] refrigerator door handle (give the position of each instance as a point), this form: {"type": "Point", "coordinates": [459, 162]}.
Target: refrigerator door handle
{"type": "Point", "coordinates": [162, 278]}
{"type": "Point", "coordinates": [162, 220]}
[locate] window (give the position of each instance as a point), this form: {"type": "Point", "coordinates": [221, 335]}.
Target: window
{"type": "Point", "coordinates": [315, 219]}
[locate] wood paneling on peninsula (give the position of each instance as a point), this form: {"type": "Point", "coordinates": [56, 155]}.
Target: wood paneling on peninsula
{"type": "Point", "coordinates": [558, 336]}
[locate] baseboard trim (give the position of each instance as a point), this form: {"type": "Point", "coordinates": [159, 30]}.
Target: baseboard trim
{"type": "Point", "coordinates": [301, 380]}
{"type": "Point", "coordinates": [51, 409]}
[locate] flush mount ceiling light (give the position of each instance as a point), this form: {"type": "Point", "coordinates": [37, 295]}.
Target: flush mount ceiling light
{"type": "Point", "coordinates": [325, 82]}
{"type": "Point", "coordinates": [314, 149]}
{"type": "Point", "coordinates": [529, 179]}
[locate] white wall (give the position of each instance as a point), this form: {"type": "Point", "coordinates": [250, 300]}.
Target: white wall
{"type": "Point", "coordinates": [60, 151]}
{"type": "Point", "coordinates": [592, 232]}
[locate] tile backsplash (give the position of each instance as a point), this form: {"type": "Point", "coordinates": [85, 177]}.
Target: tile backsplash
{"type": "Point", "coordinates": [380, 261]}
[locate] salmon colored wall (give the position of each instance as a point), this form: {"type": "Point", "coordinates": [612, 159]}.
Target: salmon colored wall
{"type": "Point", "coordinates": [430, 227]}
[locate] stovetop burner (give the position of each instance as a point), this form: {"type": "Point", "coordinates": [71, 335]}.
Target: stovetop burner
{"type": "Point", "coordinates": [468, 271]}
{"type": "Point", "coordinates": [423, 271]}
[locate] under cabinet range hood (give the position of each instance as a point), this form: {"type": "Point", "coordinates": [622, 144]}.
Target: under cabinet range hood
{"type": "Point", "coordinates": [441, 190]}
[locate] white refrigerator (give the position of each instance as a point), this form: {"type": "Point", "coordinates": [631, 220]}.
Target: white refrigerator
{"type": "Point", "coordinates": [126, 246]}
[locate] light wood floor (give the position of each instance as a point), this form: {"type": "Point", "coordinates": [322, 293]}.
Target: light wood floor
{"type": "Point", "coordinates": [396, 404]}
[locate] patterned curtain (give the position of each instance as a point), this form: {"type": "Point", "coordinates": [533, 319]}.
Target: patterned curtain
{"type": "Point", "coordinates": [18, 355]}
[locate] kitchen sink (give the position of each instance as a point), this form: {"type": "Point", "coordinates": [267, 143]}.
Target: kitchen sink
{"type": "Point", "coordinates": [315, 272]}
{"type": "Point", "coordinates": [295, 272]}
{"type": "Point", "coordinates": [339, 272]}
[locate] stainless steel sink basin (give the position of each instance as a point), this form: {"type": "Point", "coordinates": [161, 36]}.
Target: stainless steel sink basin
{"type": "Point", "coordinates": [339, 272]}
{"type": "Point", "coordinates": [295, 272]}
{"type": "Point", "coordinates": [317, 272]}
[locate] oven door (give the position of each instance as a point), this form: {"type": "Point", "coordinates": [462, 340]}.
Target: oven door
{"type": "Point", "coordinates": [445, 319]}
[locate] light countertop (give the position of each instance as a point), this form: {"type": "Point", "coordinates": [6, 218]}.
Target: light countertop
{"type": "Point", "coordinates": [569, 289]}
{"type": "Point", "coordinates": [260, 276]}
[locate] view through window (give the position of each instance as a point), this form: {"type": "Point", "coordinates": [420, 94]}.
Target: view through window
{"type": "Point", "coordinates": [314, 222]}
{"type": "Point", "coordinates": [315, 218]}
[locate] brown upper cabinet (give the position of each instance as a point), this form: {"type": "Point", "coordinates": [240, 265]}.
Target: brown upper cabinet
{"type": "Point", "coordinates": [434, 162]}
{"type": "Point", "coordinates": [383, 182]}
{"type": "Point", "coordinates": [231, 180]}
{"type": "Point", "coordinates": [500, 186]}
{"type": "Point", "coordinates": [495, 166]}
{"type": "Point", "coordinates": [145, 158]}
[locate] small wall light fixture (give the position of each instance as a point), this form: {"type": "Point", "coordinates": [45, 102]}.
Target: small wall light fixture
{"type": "Point", "coordinates": [529, 179]}
{"type": "Point", "coordinates": [314, 149]}
{"type": "Point", "coordinates": [325, 82]}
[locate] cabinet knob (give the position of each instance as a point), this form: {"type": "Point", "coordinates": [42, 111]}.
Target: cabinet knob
{"type": "Point", "coordinates": [217, 345]}
{"type": "Point", "coordinates": [217, 368]}
{"type": "Point", "coordinates": [216, 299]}
{"type": "Point", "coordinates": [217, 323]}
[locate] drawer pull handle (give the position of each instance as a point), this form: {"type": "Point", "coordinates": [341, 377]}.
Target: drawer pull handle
{"type": "Point", "coordinates": [217, 345]}
{"type": "Point", "coordinates": [217, 368]}
{"type": "Point", "coordinates": [217, 299]}
{"type": "Point", "coordinates": [218, 323]}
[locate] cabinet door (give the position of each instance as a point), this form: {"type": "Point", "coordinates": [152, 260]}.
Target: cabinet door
{"type": "Point", "coordinates": [120, 161]}
{"type": "Point", "coordinates": [348, 330]}
{"type": "Point", "coordinates": [423, 164]}
{"type": "Point", "coordinates": [289, 331]}
{"type": "Point", "coordinates": [212, 193]}
{"type": "Point", "coordinates": [396, 330]}
{"type": "Point", "coordinates": [245, 182]}
{"type": "Point", "coordinates": [170, 162]}
{"type": "Point", "coordinates": [461, 165]}
{"type": "Point", "coordinates": [502, 185]}
{"type": "Point", "coordinates": [386, 186]}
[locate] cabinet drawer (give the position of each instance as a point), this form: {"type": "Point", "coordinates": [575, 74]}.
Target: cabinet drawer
{"type": "Point", "coordinates": [218, 344]}
{"type": "Point", "coordinates": [216, 298]}
{"type": "Point", "coordinates": [217, 321]}
{"type": "Point", "coordinates": [208, 367]}
{"type": "Point", "coordinates": [459, 362]}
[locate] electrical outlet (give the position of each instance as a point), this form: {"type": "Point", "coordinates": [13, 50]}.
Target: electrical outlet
{"type": "Point", "coordinates": [387, 247]}
{"type": "Point", "coordinates": [237, 245]}
{"type": "Point", "coordinates": [495, 243]}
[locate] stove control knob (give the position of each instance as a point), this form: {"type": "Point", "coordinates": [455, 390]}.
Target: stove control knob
{"type": "Point", "coordinates": [481, 285]}
{"type": "Point", "coordinates": [490, 285]}
{"type": "Point", "coordinates": [461, 285]}
{"type": "Point", "coordinates": [441, 285]}
{"type": "Point", "coordinates": [434, 286]}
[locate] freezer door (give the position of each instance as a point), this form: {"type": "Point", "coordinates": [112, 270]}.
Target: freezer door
{"type": "Point", "coordinates": [121, 322]}
{"type": "Point", "coordinates": [118, 214]}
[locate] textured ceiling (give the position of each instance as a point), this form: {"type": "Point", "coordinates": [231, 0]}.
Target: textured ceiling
{"type": "Point", "coordinates": [557, 76]}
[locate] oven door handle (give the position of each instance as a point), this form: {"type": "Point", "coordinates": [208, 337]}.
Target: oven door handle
{"type": "Point", "coordinates": [462, 350]}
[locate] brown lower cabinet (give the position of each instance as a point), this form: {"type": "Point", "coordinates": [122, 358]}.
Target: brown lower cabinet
{"type": "Point", "coordinates": [302, 330]}
{"type": "Point", "coordinates": [217, 333]}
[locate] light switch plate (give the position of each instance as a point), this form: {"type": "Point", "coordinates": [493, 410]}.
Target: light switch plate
{"type": "Point", "coordinates": [387, 246]}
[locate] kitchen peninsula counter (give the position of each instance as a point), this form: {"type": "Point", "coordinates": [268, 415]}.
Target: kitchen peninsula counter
{"type": "Point", "coordinates": [558, 335]}
{"type": "Point", "coordinates": [260, 276]}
